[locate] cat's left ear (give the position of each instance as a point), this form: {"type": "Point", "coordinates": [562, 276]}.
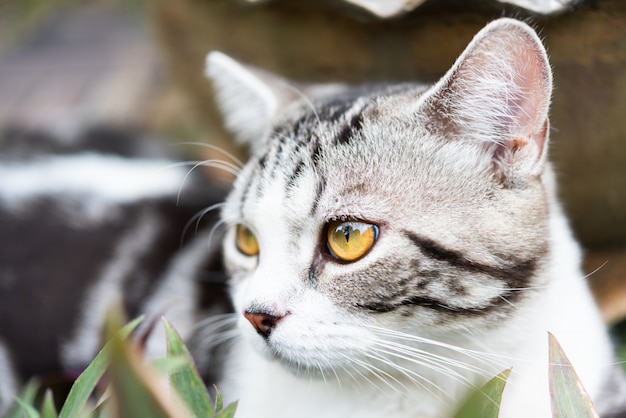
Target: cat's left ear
{"type": "Point", "coordinates": [498, 92]}
{"type": "Point", "coordinates": [247, 97]}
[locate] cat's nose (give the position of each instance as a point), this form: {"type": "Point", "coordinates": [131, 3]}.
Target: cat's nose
{"type": "Point", "coordinates": [263, 322]}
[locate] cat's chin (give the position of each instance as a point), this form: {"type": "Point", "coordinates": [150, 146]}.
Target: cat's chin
{"type": "Point", "coordinates": [303, 370]}
{"type": "Point", "coordinates": [300, 362]}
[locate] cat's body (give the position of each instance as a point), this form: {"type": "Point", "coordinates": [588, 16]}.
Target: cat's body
{"type": "Point", "coordinates": [393, 247]}
{"type": "Point", "coordinates": [88, 223]}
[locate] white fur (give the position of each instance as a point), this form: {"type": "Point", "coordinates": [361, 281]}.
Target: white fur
{"type": "Point", "coordinates": [235, 85]}
{"type": "Point", "coordinates": [95, 181]}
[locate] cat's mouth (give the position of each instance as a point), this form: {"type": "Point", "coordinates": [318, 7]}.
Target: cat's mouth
{"type": "Point", "coordinates": [308, 351]}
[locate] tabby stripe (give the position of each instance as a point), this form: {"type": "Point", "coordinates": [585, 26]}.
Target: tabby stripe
{"type": "Point", "coordinates": [439, 306]}
{"type": "Point", "coordinates": [280, 154]}
{"type": "Point", "coordinates": [295, 175]}
{"type": "Point", "coordinates": [245, 194]}
{"type": "Point", "coordinates": [316, 151]}
{"type": "Point", "coordinates": [516, 275]}
{"type": "Point", "coordinates": [349, 131]}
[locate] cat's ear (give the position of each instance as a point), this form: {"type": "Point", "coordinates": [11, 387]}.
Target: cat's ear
{"type": "Point", "coordinates": [498, 92]}
{"type": "Point", "coordinates": [248, 98]}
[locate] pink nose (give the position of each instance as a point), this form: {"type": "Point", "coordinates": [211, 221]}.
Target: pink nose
{"type": "Point", "coordinates": [263, 322]}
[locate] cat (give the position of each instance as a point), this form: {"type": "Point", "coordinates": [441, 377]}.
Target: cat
{"type": "Point", "coordinates": [391, 247]}
{"type": "Point", "coordinates": [89, 222]}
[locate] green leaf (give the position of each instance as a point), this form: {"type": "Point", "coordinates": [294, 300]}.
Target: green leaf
{"type": "Point", "coordinates": [228, 412]}
{"type": "Point", "coordinates": [48, 409]}
{"type": "Point", "coordinates": [485, 402]}
{"type": "Point", "coordinates": [187, 381]}
{"type": "Point", "coordinates": [567, 394]}
{"type": "Point", "coordinates": [27, 409]}
{"type": "Point", "coordinates": [136, 387]}
{"type": "Point", "coordinates": [219, 403]}
{"type": "Point", "coordinates": [170, 365]}
{"type": "Point", "coordinates": [87, 381]}
{"type": "Point", "coordinates": [27, 395]}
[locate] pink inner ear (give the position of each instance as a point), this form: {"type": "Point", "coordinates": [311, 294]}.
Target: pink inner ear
{"type": "Point", "coordinates": [508, 68]}
{"type": "Point", "coordinates": [498, 93]}
{"type": "Point", "coordinates": [529, 107]}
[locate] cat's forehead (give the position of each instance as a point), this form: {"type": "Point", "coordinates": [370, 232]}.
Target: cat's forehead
{"type": "Point", "coordinates": [338, 118]}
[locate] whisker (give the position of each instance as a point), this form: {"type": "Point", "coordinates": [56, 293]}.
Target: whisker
{"type": "Point", "coordinates": [330, 366]}
{"type": "Point", "coordinates": [220, 338]}
{"type": "Point", "coordinates": [218, 224]}
{"type": "Point", "coordinates": [364, 378]}
{"type": "Point", "coordinates": [304, 97]}
{"type": "Point", "coordinates": [216, 321]}
{"type": "Point", "coordinates": [493, 361]}
{"type": "Point", "coordinates": [230, 167]}
{"type": "Point", "coordinates": [503, 298]}
{"type": "Point", "coordinates": [377, 372]}
{"type": "Point", "coordinates": [410, 337]}
{"type": "Point", "coordinates": [198, 218]}
{"type": "Point", "coordinates": [434, 365]}
{"type": "Point", "coordinates": [226, 166]}
{"type": "Point", "coordinates": [414, 377]}
{"type": "Point", "coordinates": [393, 365]}
{"type": "Point", "coordinates": [597, 269]}
{"type": "Point", "coordinates": [318, 365]}
{"type": "Point", "coordinates": [215, 148]}
{"type": "Point", "coordinates": [217, 330]}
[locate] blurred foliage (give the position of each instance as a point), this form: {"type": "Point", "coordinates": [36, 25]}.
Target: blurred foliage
{"type": "Point", "coordinates": [569, 397]}
{"type": "Point", "coordinates": [485, 402]}
{"type": "Point", "coordinates": [167, 388]}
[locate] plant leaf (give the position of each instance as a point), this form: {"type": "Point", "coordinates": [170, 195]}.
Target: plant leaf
{"type": "Point", "coordinates": [170, 365]}
{"type": "Point", "coordinates": [27, 395]}
{"type": "Point", "coordinates": [485, 402]}
{"type": "Point", "coordinates": [89, 378]}
{"type": "Point", "coordinates": [136, 387]}
{"type": "Point", "coordinates": [186, 381]}
{"type": "Point", "coordinates": [567, 394]}
{"type": "Point", "coordinates": [228, 412]}
{"type": "Point", "coordinates": [219, 402]}
{"type": "Point", "coordinates": [27, 409]}
{"type": "Point", "coordinates": [48, 410]}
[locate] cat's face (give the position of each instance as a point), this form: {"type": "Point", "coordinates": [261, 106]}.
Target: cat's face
{"type": "Point", "coordinates": [365, 212]}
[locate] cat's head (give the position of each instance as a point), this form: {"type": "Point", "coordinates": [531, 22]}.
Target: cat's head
{"type": "Point", "coordinates": [370, 210]}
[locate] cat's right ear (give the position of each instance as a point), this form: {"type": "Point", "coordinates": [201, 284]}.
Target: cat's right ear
{"type": "Point", "coordinates": [498, 94]}
{"type": "Point", "coordinates": [248, 98]}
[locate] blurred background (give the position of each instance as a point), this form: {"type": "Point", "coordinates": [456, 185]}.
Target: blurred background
{"type": "Point", "coordinates": [66, 65]}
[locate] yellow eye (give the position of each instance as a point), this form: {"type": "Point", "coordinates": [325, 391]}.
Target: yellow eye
{"type": "Point", "coordinates": [246, 241]}
{"type": "Point", "coordinates": [349, 241]}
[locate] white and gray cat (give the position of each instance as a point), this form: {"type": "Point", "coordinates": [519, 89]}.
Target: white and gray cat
{"type": "Point", "coordinates": [392, 247]}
